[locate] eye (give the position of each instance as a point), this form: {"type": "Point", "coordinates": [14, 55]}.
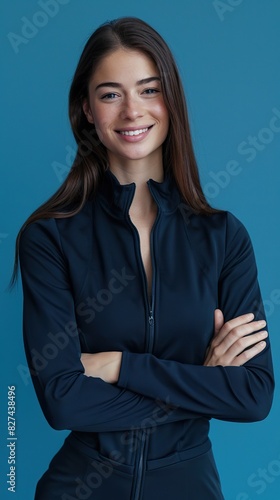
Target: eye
{"type": "Point", "coordinates": [151, 91]}
{"type": "Point", "coordinates": [109, 96]}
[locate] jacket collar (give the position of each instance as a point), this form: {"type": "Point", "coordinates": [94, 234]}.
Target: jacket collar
{"type": "Point", "coordinates": [118, 197]}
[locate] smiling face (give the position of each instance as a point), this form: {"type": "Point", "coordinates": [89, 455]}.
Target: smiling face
{"type": "Point", "coordinates": [127, 108]}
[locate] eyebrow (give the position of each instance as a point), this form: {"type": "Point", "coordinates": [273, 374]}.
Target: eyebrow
{"type": "Point", "coordinates": [116, 85]}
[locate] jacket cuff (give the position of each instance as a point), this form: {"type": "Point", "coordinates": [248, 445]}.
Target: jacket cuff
{"type": "Point", "coordinates": [122, 381]}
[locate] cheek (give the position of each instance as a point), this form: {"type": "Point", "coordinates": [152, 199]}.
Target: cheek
{"type": "Point", "coordinates": [162, 113]}
{"type": "Point", "coordinates": [164, 118]}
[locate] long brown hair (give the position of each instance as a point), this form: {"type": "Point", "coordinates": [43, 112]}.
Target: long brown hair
{"type": "Point", "coordinates": [91, 157]}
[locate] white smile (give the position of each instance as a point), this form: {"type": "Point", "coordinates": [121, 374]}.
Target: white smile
{"type": "Point", "coordinates": [134, 132]}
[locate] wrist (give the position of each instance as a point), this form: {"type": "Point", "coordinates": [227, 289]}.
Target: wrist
{"type": "Point", "coordinates": [114, 367]}
{"type": "Point", "coordinates": [108, 368]}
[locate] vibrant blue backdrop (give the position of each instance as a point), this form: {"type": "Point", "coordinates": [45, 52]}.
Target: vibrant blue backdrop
{"type": "Point", "coordinates": [228, 53]}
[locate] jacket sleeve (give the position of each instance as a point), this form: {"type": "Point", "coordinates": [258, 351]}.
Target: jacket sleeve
{"type": "Point", "coordinates": [69, 399]}
{"type": "Point", "coordinates": [240, 394]}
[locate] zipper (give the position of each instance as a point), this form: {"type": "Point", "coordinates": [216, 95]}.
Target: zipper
{"type": "Point", "coordinates": [140, 467]}
{"type": "Point", "coordinates": [143, 436]}
{"type": "Point", "coordinates": [151, 331]}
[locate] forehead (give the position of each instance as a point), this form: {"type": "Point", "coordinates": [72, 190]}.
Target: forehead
{"type": "Point", "coordinates": [125, 64]}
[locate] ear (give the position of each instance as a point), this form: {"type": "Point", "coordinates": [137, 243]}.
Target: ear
{"type": "Point", "coordinates": [87, 111]}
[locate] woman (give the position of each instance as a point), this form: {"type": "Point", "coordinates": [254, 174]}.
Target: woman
{"type": "Point", "coordinates": [142, 312]}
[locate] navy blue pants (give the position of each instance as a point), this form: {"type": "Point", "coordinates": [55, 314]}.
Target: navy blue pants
{"type": "Point", "coordinates": [77, 472]}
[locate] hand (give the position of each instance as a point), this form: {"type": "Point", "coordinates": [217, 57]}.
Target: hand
{"type": "Point", "coordinates": [232, 338]}
{"type": "Point", "coordinates": [104, 365]}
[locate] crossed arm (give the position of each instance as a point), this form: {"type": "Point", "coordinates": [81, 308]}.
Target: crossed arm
{"type": "Point", "coordinates": [234, 343]}
{"type": "Point", "coordinates": [111, 394]}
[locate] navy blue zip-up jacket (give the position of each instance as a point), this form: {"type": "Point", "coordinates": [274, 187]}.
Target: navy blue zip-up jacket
{"type": "Point", "coordinates": [85, 290]}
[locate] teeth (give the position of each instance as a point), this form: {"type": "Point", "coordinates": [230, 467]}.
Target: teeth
{"type": "Point", "coordinates": [134, 132]}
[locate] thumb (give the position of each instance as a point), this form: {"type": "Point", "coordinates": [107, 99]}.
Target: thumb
{"type": "Point", "coordinates": [218, 321]}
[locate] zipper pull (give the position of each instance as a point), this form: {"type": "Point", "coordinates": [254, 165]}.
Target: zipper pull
{"type": "Point", "coordinates": [151, 318]}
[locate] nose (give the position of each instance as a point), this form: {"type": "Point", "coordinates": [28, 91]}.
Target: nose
{"type": "Point", "coordinates": [131, 108]}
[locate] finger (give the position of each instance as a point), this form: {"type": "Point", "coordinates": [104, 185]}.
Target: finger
{"type": "Point", "coordinates": [243, 350]}
{"type": "Point", "coordinates": [218, 321]}
{"type": "Point", "coordinates": [236, 323]}
{"type": "Point", "coordinates": [239, 332]}
{"type": "Point", "coordinates": [249, 354]}
{"type": "Point", "coordinates": [244, 343]}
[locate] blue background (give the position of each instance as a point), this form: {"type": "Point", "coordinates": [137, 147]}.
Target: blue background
{"type": "Point", "coordinates": [228, 54]}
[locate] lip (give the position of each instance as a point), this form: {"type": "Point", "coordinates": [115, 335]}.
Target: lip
{"type": "Point", "coordinates": [131, 129]}
{"type": "Point", "coordinates": [134, 138]}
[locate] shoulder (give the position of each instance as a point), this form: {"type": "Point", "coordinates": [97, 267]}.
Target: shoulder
{"type": "Point", "coordinates": [221, 226]}
{"type": "Point", "coordinates": [50, 232]}
{"type": "Point", "coordinates": [218, 239]}
{"type": "Point", "coordinates": [37, 232]}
